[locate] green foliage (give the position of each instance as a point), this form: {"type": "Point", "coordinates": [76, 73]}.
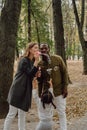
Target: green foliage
{"type": "Point", "coordinates": [42, 26]}
{"type": "Point", "coordinates": [22, 38]}
{"type": "Point", "coordinates": [70, 30]}
{"type": "Point", "coordinates": [41, 17]}
{"type": "Point", "coordinates": [39, 20]}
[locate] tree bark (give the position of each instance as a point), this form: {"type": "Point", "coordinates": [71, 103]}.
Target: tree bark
{"type": "Point", "coordinates": [58, 29]}
{"type": "Point", "coordinates": [8, 33]}
{"type": "Point", "coordinates": [80, 32]}
{"type": "Point", "coordinates": [37, 29]}
{"type": "Point", "coordinates": [29, 20]}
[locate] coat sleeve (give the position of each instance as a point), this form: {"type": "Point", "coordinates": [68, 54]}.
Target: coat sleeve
{"type": "Point", "coordinates": [64, 73]}
{"type": "Point", "coordinates": [40, 84]}
{"type": "Point", "coordinates": [26, 67]}
{"type": "Point", "coordinates": [35, 96]}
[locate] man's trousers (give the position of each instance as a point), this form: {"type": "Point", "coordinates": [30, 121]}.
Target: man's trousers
{"type": "Point", "coordinates": [60, 103]}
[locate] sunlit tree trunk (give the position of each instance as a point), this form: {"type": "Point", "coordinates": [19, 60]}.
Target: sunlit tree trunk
{"type": "Point", "coordinates": [8, 33]}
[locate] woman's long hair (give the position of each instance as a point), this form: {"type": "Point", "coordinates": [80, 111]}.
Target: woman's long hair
{"type": "Point", "coordinates": [27, 50]}
{"type": "Point", "coordinates": [47, 98]}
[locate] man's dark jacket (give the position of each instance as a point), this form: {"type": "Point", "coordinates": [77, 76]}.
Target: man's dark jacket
{"type": "Point", "coordinates": [58, 75]}
{"type": "Point", "coordinates": [20, 93]}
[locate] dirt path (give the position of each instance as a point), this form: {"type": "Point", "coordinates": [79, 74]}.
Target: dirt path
{"type": "Point", "coordinates": [76, 124]}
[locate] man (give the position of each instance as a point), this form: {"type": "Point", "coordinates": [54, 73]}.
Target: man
{"type": "Point", "coordinates": [54, 66]}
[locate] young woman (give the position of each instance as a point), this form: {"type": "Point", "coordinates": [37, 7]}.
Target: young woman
{"type": "Point", "coordinates": [20, 94]}
{"type": "Point", "coordinates": [45, 107]}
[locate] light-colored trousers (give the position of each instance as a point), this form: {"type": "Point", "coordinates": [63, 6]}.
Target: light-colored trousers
{"type": "Point", "coordinates": [11, 115]}
{"type": "Point", "coordinates": [60, 103]}
{"type": "Point", "coordinates": [44, 125]}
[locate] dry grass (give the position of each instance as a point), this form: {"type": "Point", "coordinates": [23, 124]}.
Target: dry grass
{"type": "Point", "coordinates": [75, 69]}
{"type": "Point", "coordinates": [76, 102]}
{"type": "Point", "coordinates": [77, 97]}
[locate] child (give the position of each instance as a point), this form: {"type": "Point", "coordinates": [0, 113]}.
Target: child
{"type": "Point", "coordinates": [45, 107]}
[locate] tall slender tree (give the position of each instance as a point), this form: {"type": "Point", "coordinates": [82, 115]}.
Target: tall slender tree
{"type": "Point", "coordinates": [80, 23]}
{"type": "Point", "coordinates": [29, 20]}
{"type": "Point", "coordinates": [58, 29]}
{"type": "Point", "coordinates": [8, 33]}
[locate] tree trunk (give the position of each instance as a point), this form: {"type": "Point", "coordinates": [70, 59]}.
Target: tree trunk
{"type": "Point", "coordinates": [37, 28]}
{"type": "Point", "coordinates": [80, 32]}
{"type": "Point", "coordinates": [8, 34]}
{"type": "Point", "coordinates": [73, 53]}
{"type": "Point", "coordinates": [29, 20]}
{"type": "Point", "coordinates": [85, 59]}
{"type": "Point", "coordinates": [58, 29]}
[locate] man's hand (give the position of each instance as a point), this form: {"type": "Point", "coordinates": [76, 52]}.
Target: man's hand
{"type": "Point", "coordinates": [64, 93]}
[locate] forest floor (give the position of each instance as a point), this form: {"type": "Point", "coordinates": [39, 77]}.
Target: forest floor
{"type": "Point", "coordinates": [76, 102]}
